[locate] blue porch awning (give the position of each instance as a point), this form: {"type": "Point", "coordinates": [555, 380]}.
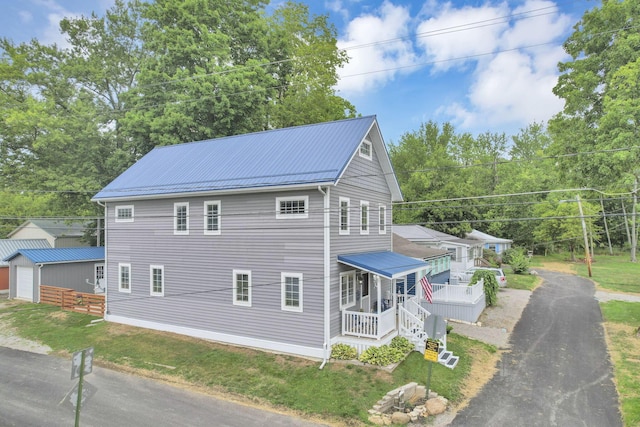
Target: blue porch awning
{"type": "Point", "coordinates": [389, 264]}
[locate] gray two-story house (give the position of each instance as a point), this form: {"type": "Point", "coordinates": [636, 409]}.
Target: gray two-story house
{"type": "Point", "coordinates": [279, 240]}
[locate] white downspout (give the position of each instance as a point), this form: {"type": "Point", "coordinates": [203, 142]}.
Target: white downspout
{"type": "Point", "coordinates": [39, 281]}
{"type": "Point", "coordinates": [106, 262]}
{"type": "Point", "coordinates": [327, 274]}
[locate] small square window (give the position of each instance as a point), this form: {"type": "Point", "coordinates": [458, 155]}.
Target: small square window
{"type": "Point", "coordinates": [366, 149]}
{"type": "Point", "coordinates": [124, 213]}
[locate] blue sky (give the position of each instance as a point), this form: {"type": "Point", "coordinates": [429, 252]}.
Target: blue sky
{"type": "Point", "coordinates": [481, 65]}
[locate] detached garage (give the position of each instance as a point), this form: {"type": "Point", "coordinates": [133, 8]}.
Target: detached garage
{"type": "Point", "coordinates": [80, 269]}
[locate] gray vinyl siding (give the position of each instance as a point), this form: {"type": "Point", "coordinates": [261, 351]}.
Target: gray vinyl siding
{"type": "Point", "coordinates": [362, 181]}
{"type": "Point", "coordinates": [198, 268]}
{"type": "Point", "coordinates": [22, 261]}
{"type": "Point", "coordinates": [69, 275]}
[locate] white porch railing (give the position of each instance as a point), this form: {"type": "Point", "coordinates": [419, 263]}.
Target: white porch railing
{"type": "Point", "coordinates": [458, 293]}
{"type": "Point", "coordinates": [368, 325]}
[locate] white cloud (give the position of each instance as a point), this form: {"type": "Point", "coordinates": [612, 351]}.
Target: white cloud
{"type": "Point", "coordinates": [454, 36]}
{"type": "Point", "coordinates": [378, 48]}
{"type": "Point", "coordinates": [513, 85]}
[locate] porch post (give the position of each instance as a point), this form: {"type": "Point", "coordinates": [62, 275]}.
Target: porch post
{"type": "Point", "coordinates": [376, 280]}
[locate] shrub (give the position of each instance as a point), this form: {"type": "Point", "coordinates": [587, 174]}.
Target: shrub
{"type": "Point", "coordinates": [507, 255]}
{"type": "Point", "coordinates": [490, 285]}
{"type": "Point", "coordinates": [490, 255]}
{"type": "Point", "coordinates": [382, 356]}
{"type": "Point", "coordinates": [402, 344]}
{"type": "Point", "coordinates": [519, 263]}
{"type": "Point", "coordinates": [343, 352]}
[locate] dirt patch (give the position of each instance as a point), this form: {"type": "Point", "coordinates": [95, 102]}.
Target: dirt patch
{"type": "Point", "coordinates": [483, 368]}
{"type": "Point", "coordinates": [560, 267]}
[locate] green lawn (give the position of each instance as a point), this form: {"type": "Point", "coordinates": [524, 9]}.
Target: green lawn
{"type": "Point", "coordinates": [522, 281]}
{"type": "Point", "coordinates": [342, 392]}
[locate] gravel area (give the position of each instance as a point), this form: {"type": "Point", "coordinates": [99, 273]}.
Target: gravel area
{"type": "Point", "coordinates": [496, 323]}
{"type": "Point", "coordinates": [603, 296]}
{"type": "Point", "coordinates": [9, 339]}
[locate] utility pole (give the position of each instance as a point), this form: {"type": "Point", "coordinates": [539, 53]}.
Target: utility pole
{"type": "Point", "coordinates": [586, 239]}
{"type": "Point", "coordinates": [634, 222]}
{"type": "Point", "coordinates": [606, 227]}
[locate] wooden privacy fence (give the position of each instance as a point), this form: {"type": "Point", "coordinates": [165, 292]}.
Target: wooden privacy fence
{"type": "Point", "coordinates": [69, 299]}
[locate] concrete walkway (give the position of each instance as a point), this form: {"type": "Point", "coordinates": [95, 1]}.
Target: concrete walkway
{"type": "Point", "coordinates": [558, 372]}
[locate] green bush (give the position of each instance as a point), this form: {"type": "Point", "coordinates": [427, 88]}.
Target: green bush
{"type": "Point", "coordinates": [490, 255]}
{"type": "Point", "coordinates": [519, 263]}
{"type": "Point", "coordinates": [343, 352]}
{"type": "Point", "coordinates": [402, 344]}
{"type": "Point", "coordinates": [490, 285]}
{"type": "Point", "coordinates": [382, 356]}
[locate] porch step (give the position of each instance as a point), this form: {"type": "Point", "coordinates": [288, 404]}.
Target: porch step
{"type": "Point", "coordinates": [452, 362]}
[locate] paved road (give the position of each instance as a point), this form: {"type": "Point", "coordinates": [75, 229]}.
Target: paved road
{"type": "Point", "coordinates": [33, 387]}
{"type": "Point", "coordinates": [558, 372]}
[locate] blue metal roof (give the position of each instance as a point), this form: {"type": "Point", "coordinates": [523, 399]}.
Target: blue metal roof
{"type": "Point", "coordinates": [310, 154]}
{"type": "Point", "coordinates": [60, 255]}
{"type": "Point", "coordinates": [386, 263]}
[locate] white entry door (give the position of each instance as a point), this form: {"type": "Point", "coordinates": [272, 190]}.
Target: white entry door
{"type": "Point", "coordinates": [24, 283]}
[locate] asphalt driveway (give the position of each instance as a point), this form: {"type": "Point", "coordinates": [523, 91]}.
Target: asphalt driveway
{"type": "Point", "coordinates": [558, 372]}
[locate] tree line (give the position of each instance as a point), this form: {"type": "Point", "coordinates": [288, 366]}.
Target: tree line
{"type": "Point", "coordinates": [166, 72]}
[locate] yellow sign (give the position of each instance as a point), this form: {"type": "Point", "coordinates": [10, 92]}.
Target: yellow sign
{"type": "Point", "coordinates": [431, 350]}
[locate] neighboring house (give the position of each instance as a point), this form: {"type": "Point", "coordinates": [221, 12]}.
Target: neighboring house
{"type": "Point", "coordinates": [73, 268]}
{"type": "Point", "coordinates": [59, 234]}
{"type": "Point", "coordinates": [438, 260]}
{"type": "Point", "coordinates": [279, 240]}
{"type": "Point", "coordinates": [496, 244]}
{"type": "Point", "coordinates": [9, 246]}
{"type": "Point", "coordinates": [464, 253]}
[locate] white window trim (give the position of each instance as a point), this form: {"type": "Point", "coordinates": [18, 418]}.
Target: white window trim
{"type": "Point", "coordinates": [366, 156]}
{"type": "Point", "coordinates": [120, 288]}
{"type": "Point", "coordinates": [364, 203]}
{"type": "Point", "coordinates": [382, 219]}
{"type": "Point", "coordinates": [296, 215]}
{"type": "Point", "coordinates": [122, 207]}
{"type": "Point", "coordinates": [284, 305]}
{"type": "Point", "coordinates": [151, 268]}
{"type": "Point", "coordinates": [341, 231]}
{"type": "Point", "coordinates": [350, 302]}
{"type": "Point", "coordinates": [235, 293]}
{"type": "Point", "coordinates": [175, 218]}
{"type": "Point", "coordinates": [206, 217]}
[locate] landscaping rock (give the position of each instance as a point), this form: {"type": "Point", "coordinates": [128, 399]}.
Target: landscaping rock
{"type": "Point", "coordinates": [377, 420]}
{"type": "Point", "coordinates": [400, 418]}
{"type": "Point", "coordinates": [436, 406]}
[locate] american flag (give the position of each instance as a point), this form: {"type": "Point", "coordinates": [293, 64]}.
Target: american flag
{"type": "Point", "coordinates": [426, 287]}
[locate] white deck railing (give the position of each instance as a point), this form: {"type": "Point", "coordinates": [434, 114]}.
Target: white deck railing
{"type": "Point", "coordinates": [458, 293]}
{"type": "Point", "coordinates": [368, 325]}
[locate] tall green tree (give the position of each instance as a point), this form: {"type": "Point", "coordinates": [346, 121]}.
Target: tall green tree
{"type": "Point", "coordinates": [600, 89]}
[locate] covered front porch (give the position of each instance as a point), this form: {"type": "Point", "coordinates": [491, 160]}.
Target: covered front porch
{"type": "Point", "coordinates": [372, 312]}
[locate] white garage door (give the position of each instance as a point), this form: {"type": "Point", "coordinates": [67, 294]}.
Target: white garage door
{"type": "Point", "coordinates": [24, 280]}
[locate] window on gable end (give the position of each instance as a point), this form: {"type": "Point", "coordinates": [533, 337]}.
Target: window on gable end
{"type": "Point", "coordinates": [364, 217]}
{"type": "Point", "coordinates": [124, 213]}
{"type": "Point", "coordinates": [344, 215]}
{"type": "Point", "coordinates": [366, 149]}
{"type": "Point", "coordinates": [382, 219]}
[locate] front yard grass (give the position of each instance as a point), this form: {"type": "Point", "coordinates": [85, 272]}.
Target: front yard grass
{"type": "Point", "coordinates": [523, 281]}
{"type": "Point", "coordinates": [341, 392]}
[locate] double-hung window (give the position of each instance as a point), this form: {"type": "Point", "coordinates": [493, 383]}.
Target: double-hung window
{"type": "Point", "coordinates": [242, 287]}
{"type": "Point", "coordinates": [292, 291]}
{"type": "Point", "coordinates": [124, 278]}
{"type": "Point", "coordinates": [364, 217]}
{"type": "Point", "coordinates": [181, 218]}
{"type": "Point", "coordinates": [344, 215]}
{"type": "Point", "coordinates": [124, 213]}
{"type": "Point", "coordinates": [347, 289]}
{"type": "Point", "coordinates": [292, 207]}
{"type": "Point", "coordinates": [212, 217]}
{"type": "Point", "coordinates": [382, 219]}
{"type": "Point", "coordinates": [156, 273]}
